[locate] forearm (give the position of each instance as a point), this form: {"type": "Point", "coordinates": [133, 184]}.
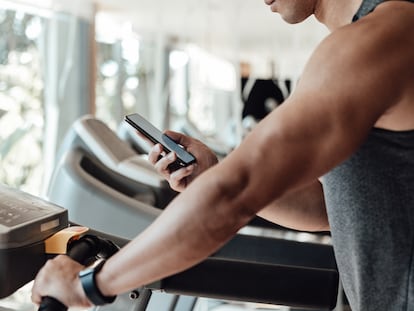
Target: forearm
{"type": "Point", "coordinates": [303, 209]}
{"type": "Point", "coordinates": [195, 224]}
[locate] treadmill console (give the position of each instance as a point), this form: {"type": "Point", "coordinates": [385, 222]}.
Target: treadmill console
{"type": "Point", "coordinates": [25, 219]}
{"type": "Point", "coordinates": [25, 222]}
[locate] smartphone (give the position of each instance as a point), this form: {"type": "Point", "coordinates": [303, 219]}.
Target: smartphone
{"type": "Point", "coordinates": [184, 158]}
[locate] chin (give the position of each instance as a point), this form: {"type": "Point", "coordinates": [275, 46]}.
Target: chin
{"type": "Point", "coordinates": [292, 19]}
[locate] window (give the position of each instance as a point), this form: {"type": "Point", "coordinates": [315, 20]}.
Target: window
{"type": "Point", "coordinates": [21, 100]}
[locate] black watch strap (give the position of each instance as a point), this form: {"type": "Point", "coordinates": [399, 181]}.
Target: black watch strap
{"type": "Point", "coordinates": [88, 281]}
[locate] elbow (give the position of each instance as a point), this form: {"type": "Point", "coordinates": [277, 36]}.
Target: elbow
{"type": "Point", "coordinates": [230, 209]}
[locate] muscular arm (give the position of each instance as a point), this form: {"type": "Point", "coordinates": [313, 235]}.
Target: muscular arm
{"type": "Point", "coordinates": [320, 125]}
{"type": "Point", "coordinates": [302, 210]}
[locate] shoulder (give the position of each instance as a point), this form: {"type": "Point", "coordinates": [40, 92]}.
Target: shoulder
{"type": "Point", "coordinates": [367, 54]}
{"type": "Point", "coordinates": [363, 67]}
{"type": "Point", "coordinates": [382, 34]}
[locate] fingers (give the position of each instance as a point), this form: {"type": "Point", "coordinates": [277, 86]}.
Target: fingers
{"type": "Point", "coordinates": [161, 165]}
{"type": "Point", "coordinates": [59, 279]}
{"type": "Point", "coordinates": [36, 297]}
{"type": "Point", "coordinates": [182, 172]}
{"type": "Point", "coordinates": [155, 153]}
{"type": "Point", "coordinates": [44, 275]}
{"type": "Point", "coordinates": [157, 157]}
{"type": "Point", "coordinates": [42, 278]}
{"type": "Point", "coordinates": [204, 155]}
{"type": "Point", "coordinates": [179, 138]}
{"type": "Point", "coordinates": [178, 179]}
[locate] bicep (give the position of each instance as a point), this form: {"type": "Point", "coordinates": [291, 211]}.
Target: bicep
{"type": "Point", "coordinates": [321, 124]}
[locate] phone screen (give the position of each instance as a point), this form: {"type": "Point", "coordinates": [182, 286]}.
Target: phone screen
{"type": "Point", "coordinates": [184, 158]}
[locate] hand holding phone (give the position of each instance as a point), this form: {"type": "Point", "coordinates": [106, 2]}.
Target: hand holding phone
{"type": "Point", "coordinates": [184, 158]}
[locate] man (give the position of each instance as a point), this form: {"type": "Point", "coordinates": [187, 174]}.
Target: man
{"type": "Point", "coordinates": [350, 120]}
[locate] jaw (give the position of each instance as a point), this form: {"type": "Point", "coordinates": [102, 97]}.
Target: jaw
{"type": "Point", "coordinates": [292, 11]}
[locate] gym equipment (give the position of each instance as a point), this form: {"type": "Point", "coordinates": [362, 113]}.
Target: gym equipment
{"type": "Point", "coordinates": [84, 249]}
{"type": "Point", "coordinates": [25, 222]}
{"type": "Point", "coordinates": [104, 183]}
{"type": "Point", "coordinates": [247, 268]}
{"type": "Point", "coordinates": [95, 137]}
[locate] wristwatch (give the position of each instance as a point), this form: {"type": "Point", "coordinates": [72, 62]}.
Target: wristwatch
{"type": "Point", "coordinates": [88, 281]}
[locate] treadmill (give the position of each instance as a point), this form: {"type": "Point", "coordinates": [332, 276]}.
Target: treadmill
{"type": "Point", "coordinates": [247, 268]}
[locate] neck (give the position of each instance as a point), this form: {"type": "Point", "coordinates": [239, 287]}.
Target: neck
{"type": "Point", "coordinates": [336, 13]}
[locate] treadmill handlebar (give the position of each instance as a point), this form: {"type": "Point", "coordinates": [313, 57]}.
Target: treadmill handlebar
{"type": "Point", "coordinates": [85, 250]}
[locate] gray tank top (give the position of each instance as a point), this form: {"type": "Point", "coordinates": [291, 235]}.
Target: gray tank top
{"type": "Point", "coordinates": [370, 204]}
{"type": "Point", "coordinates": [368, 6]}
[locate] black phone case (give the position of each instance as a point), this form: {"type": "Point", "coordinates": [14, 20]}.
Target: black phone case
{"type": "Point", "coordinates": [184, 158]}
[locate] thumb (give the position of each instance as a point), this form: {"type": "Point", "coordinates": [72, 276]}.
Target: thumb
{"type": "Point", "coordinates": [178, 138]}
